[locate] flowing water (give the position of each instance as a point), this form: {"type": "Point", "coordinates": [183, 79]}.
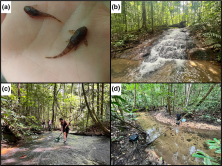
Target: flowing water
{"type": "Point", "coordinates": [79, 150]}
{"type": "Point", "coordinates": [177, 145]}
{"type": "Point", "coordinates": [167, 62]}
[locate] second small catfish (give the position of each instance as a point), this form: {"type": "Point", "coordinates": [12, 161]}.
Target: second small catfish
{"type": "Point", "coordinates": [77, 37]}
{"type": "Point", "coordinates": [31, 11]}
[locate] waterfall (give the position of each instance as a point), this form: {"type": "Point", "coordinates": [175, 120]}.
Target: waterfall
{"type": "Point", "coordinates": [171, 47]}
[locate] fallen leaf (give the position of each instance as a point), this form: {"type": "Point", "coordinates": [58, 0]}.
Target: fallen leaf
{"type": "Point", "coordinates": [23, 157]}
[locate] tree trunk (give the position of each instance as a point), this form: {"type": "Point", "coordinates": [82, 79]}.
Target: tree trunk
{"type": "Point", "coordinates": [144, 15]}
{"type": "Point", "coordinates": [162, 18]}
{"type": "Point", "coordinates": [88, 110]}
{"type": "Point", "coordinates": [106, 131]}
{"type": "Point", "coordinates": [102, 100]}
{"type": "Point", "coordinates": [19, 95]}
{"type": "Point", "coordinates": [97, 99]}
{"type": "Point", "coordinates": [211, 88]}
{"type": "Point", "coordinates": [55, 88]}
{"type": "Point", "coordinates": [168, 99]}
{"type": "Point", "coordinates": [134, 96]}
{"type": "Point", "coordinates": [179, 11]}
{"type": "Point", "coordinates": [138, 15]}
{"type": "Point", "coordinates": [183, 12]}
{"type": "Point", "coordinates": [93, 98]}
{"type": "Point", "coordinates": [124, 15]}
{"type": "Point", "coordinates": [188, 93]}
{"type": "Point", "coordinates": [152, 16]}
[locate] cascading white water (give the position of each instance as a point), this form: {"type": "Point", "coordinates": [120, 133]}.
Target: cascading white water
{"type": "Point", "coordinates": [166, 61]}
{"type": "Point", "coordinates": [170, 48]}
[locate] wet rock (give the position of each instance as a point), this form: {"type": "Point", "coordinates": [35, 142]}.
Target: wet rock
{"type": "Point", "coordinates": [188, 140]}
{"type": "Point", "coordinates": [183, 47]}
{"type": "Point", "coordinates": [183, 30]}
{"type": "Point", "coordinates": [151, 60]}
{"type": "Point", "coordinates": [190, 44]}
{"type": "Point", "coordinates": [147, 54]}
{"type": "Point", "coordinates": [198, 53]}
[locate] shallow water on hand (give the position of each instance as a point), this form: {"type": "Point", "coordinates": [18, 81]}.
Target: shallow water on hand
{"type": "Point", "coordinates": [79, 150]}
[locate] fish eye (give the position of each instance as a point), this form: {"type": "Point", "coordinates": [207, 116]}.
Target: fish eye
{"type": "Point", "coordinates": [27, 8]}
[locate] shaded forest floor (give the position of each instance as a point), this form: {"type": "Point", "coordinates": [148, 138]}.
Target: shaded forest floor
{"type": "Point", "coordinates": [94, 130]}
{"type": "Point", "coordinates": [124, 152]}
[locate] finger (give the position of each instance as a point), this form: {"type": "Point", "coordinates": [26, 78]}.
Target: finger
{"type": "Point", "coordinates": [2, 17]}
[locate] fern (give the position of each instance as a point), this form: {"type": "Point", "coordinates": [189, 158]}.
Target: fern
{"type": "Point", "coordinates": [217, 46]}
{"type": "Point", "coordinates": [212, 35]}
{"type": "Point", "coordinates": [209, 41]}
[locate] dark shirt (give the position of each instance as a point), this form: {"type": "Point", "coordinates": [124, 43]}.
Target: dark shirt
{"type": "Point", "coordinates": [43, 123]}
{"type": "Point", "coordinates": [64, 125]}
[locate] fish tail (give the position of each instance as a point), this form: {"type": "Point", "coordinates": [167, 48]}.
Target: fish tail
{"type": "Point", "coordinates": [49, 15]}
{"type": "Point", "coordinates": [56, 19]}
{"type": "Point", "coordinates": [57, 56]}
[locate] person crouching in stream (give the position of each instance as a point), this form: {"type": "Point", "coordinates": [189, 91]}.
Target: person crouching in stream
{"type": "Point", "coordinates": [64, 128]}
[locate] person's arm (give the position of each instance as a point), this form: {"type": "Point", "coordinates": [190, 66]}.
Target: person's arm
{"type": "Point", "coordinates": [61, 128]}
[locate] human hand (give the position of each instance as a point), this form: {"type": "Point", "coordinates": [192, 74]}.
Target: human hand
{"type": "Point", "coordinates": [27, 41]}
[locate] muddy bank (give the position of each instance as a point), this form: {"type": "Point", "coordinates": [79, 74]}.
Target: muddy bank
{"type": "Point", "coordinates": [194, 122]}
{"type": "Point", "coordinates": [124, 152]}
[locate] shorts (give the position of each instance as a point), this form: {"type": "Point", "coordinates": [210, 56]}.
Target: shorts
{"type": "Point", "coordinates": [66, 130]}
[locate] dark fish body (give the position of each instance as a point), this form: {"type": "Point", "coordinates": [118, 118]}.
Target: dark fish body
{"type": "Point", "coordinates": [77, 37]}
{"type": "Point", "coordinates": [31, 11]}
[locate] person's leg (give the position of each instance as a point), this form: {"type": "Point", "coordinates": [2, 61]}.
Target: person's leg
{"type": "Point", "coordinates": [64, 134]}
{"type": "Point", "coordinates": [67, 131]}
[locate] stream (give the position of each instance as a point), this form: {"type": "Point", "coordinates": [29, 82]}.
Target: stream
{"type": "Point", "coordinates": [166, 61]}
{"type": "Point", "coordinates": [79, 150]}
{"type": "Point", "coordinates": [177, 145]}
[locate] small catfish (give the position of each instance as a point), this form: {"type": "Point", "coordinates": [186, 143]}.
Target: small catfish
{"type": "Point", "coordinates": [31, 11]}
{"type": "Point", "coordinates": [78, 36]}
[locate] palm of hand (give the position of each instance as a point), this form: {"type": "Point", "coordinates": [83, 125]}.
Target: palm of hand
{"type": "Point", "coordinates": [27, 41]}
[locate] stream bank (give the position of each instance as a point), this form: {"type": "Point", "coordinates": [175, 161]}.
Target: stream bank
{"type": "Point", "coordinates": [174, 147]}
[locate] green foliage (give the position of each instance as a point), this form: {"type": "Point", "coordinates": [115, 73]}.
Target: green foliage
{"type": "Point", "coordinates": [18, 123]}
{"type": "Point", "coordinates": [209, 25]}
{"type": "Point", "coordinates": [216, 144]}
{"type": "Point", "coordinates": [119, 43]}
{"type": "Point", "coordinates": [212, 35]}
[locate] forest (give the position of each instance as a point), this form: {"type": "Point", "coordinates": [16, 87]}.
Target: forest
{"type": "Point", "coordinates": [149, 30]}
{"type": "Point", "coordinates": [31, 117]}
{"type": "Point", "coordinates": [159, 124]}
